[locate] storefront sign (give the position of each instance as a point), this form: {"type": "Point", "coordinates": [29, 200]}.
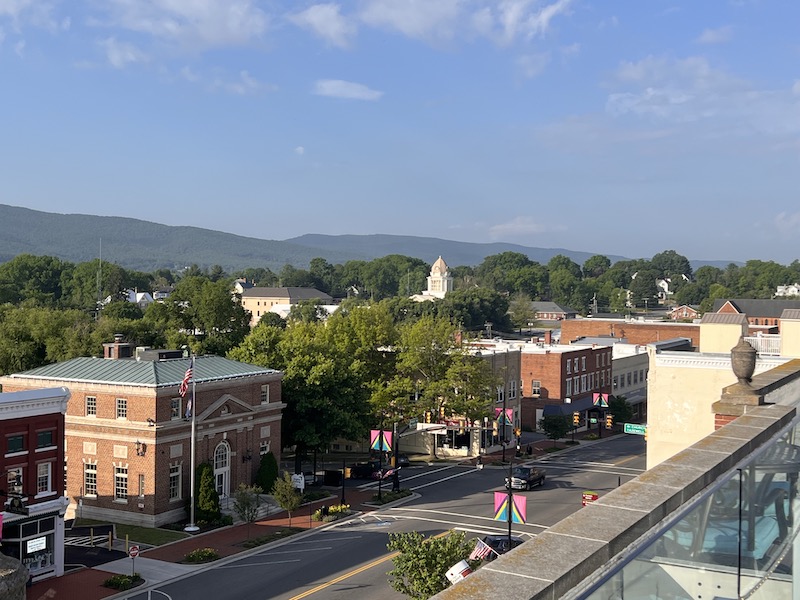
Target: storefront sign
{"type": "Point", "coordinates": [36, 544]}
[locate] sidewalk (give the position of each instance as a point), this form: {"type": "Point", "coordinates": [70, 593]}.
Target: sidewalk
{"type": "Point", "coordinates": [164, 562]}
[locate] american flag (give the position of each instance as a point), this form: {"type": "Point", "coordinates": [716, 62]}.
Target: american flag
{"type": "Point", "coordinates": [186, 379]}
{"type": "Point", "coordinates": [481, 551]}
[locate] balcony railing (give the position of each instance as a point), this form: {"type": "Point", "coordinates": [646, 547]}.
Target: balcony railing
{"type": "Point", "coordinates": [769, 344]}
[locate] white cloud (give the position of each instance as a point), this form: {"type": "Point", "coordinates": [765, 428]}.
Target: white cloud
{"type": "Point", "coordinates": [327, 22]}
{"type": "Point", "coordinates": [691, 89]}
{"type": "Point", "coordinates": [716, 36]}
{"type": "Point", "coordinates": [788, 224]}
{"type": "Point", "coordinates": [423, 19]}
{"type": "Point", "coordinates": [192, 23]}
{"type": "Point", "coordinates": [299, 151]}
{"type": "Point", "coordinates": [796, 88]}
{"type": "Point", "coordinates": [337, 88]}
{"type": "Point", "coordinates": [38, 13]}
{"type": "Point", "coordinates": [189, 75]}
{"type": "Point", "coordinates": [571, 50]}
{"type": "Point", "coordinates": [19, 48]}
{"type": "Point", "coordinates": [520, 226]}
{"type": "Point", "coordinates": [245, 84]}
{"type": "Point", "coordinates": [509, 20]}
{"type": "Point", "coordinates": [121, 54]}
{"type": "Point", "coordinates": [532, 65]}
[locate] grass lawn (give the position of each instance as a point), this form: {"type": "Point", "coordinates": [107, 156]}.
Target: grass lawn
{"type": "Point", "coordinates": [144, 535]}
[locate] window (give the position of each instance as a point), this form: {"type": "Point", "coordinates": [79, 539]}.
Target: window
{"type": "Point", "coordinates": [90, 479]}
{"type": "Point", "coordinates": [575, 365]}
{"type": "Point", "coordinates": [44, 439]}
{"type": "Point", "coordinates": [596, 361]}
{"type": "Point", "coordinates": [615, 382]}
{"type": "Point", "coordinates": [141, 485]}
{"type": "Point", "coordinates": [15, 443]}
{"type": "Point", "coordinates": [641, 376]}
{"type": "Point", "coordinates": [583, 383]}
{"type": "Point", "coordinates": [175, 408]}
{"type": "Point", "coordinates": [628, 379]}
{"type": "Point", "coordinates": [14, 480]}
{"type": "Point", "coordinates": [583, 363]}
{"type": "Point", "coordinates": [120, 483]}
{"type": "Point", "coordinates": [263, 448]}
{"type": "Point", "coordinates": [536, 387]}
{"type": "Point", "coordinates": [91, 406]}
{"type": "Point", "coordinates": [43, 471]}
{"type": "Point", "coordinates": [264, 394]}
{"type": "Point", "coordinates": [501, 393]}
{"type": "Point", "coordinates": [512, 388]}
{"type": "Point", "coordinates": [569, 362]}
{"type": "Point", "coordinates": [174, 482]}
{"type": "Point", "coordinates": [635, 377]}
{"type": "Point", "coordinates": [591, 381]}
{"type": "Point", "coordinates": [569, 386]}
{"type": "Point", "coordinates": [122, 408]}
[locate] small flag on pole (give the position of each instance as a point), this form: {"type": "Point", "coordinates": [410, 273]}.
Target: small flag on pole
{"type": "Point", "coordinates": [481, 551]}
{"type": "Point", "coordinates": [187, 378]}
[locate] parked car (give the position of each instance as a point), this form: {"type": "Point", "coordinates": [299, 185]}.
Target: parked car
{"type": "Point", "coordinates": [499, 543]}
{"type": "Point", "coordinates": [402, 461]}
{"type": "Point", "coordinates": [524, 478]}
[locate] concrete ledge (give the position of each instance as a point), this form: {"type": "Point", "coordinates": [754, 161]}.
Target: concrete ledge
{"type": "Point", "coordinates": [561, 558]}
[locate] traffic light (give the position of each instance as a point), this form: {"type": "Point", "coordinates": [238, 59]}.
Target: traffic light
{"type": "Point", "coordinates": [609, 421]}
{"type": "Point", "coordinates": [645, 434]}
{"type": "Point", "coordinates": [428, 416]}
{"type": "Point", "coordinates": [576, 418]}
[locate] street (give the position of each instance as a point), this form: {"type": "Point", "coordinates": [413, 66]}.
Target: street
{"type": "Point", "coordinates": [351, 560]}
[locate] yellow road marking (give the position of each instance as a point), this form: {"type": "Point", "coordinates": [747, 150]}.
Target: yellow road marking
{"type": "Point", "coordinates": [360, 569]}
{"type": "Point", "coordinates": [622, 462]}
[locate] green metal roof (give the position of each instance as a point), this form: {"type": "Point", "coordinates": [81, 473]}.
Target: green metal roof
{"type": "Point", "coordinates": [159, 373]}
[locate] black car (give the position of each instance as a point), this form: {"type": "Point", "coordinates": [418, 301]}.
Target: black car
{"type": "Point", "coordinates": [524, 478]}
{"type": "Point", "coordinates": [402, 461]}
{"type": "Point", "coordinates": [499, 543]}
{"type": "Point", "coordinates": [364, 470]}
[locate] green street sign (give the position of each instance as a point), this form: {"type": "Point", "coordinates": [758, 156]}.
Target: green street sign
{"type": "Point", "coordinates": [592, 420]}
{"type": "Point", "coordinates": [635, 428]}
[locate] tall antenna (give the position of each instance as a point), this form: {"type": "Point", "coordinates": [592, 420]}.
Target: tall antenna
{"type": "Point", "coordinates": [99, 282]}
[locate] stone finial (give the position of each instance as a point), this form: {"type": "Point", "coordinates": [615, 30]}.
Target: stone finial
{"type": "Point", "coordinates": [743, 361]}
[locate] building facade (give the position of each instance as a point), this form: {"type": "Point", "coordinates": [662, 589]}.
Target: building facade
{"type": "Point", "coordinates": [440, 282]}
{"type": "Point", "coordinates": [128, 436]}
{"type": "Point", "coordinates": [261, 300]}
{"type": "Point", "coordinates": [32, 466]}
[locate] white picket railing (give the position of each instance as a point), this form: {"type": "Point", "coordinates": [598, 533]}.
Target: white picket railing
{"type": "Point", "coordinates": [765, 344]}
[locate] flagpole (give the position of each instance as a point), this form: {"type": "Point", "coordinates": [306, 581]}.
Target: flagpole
{"type": "Point", "coordinates": [191, 527]}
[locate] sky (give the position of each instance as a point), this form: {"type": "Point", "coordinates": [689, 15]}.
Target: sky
{"type": "Point", "coordinates": [624, 128]}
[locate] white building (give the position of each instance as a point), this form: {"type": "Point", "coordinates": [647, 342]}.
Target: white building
{"type": "Point", "coordinates": [439, 283]}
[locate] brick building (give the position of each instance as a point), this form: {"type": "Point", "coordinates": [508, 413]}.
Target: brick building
{"type": "Point", "coordinates": [761, 314]}
{"type": "Point", "coordinates": [634, 331]}
{"type": "Point", "coordinates": [32, 467]}
{"type": "Point", "coordinates": [553, 373]}
{"type": "Point", "coordinates": [128, 443]}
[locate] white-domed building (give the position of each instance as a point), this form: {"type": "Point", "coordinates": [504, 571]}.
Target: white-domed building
{"type": "Point", "coordinates": [439, 282]}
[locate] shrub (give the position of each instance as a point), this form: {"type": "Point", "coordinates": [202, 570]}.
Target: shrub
{"type": "Point", "coordinates": [267, 470]}
{"type": "Point", "coordinates": [591, 436]}
{"type": "Point", "coordinates": [207, 508]}
{"type": "Point", "coordinates": [122, 582]}
{"type": "Point", "coordinates": [390, 496]}
{"type": "Point", "coordinates": [200, 555]}
{"type": "Point", "coordinates": [331, 513]}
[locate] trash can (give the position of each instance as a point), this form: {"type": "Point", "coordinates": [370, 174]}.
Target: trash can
{"type": "Point", "coordinates": [332, 478]}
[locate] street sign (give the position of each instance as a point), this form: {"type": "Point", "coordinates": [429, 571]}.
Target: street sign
{"type": "Point", "coordinates": [592, 420]}
{"type": "Point", "coordinates": [635, 429]}
{"type": "Point", "coordinates": [588, 497]}
{"type": "Point", "coordinates": [133, 551]}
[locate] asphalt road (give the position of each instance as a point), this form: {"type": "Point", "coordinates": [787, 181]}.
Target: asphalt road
{"type": "Point", "coordinates": [351, 561]}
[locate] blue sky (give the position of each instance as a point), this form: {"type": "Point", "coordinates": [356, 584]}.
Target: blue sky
{"type": "Point", "coordinates": [623, 127]}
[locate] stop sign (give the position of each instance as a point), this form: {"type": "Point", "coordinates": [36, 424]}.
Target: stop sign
{"type": "Point", "coordinates": [133, 551]}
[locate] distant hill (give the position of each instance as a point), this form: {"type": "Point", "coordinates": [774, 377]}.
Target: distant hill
{"type": "Point", "coordinates": [147, 246]}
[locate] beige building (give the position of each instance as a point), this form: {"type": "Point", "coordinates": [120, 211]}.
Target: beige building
{"type": "Point", "coordinates": [682, 387]}
{"type": "Point", "coordinates": [261, 300]}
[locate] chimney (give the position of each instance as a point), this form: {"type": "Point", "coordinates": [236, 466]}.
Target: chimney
{"type": "Point", "coordinates": [118, 348]}
{"type": "Point", "coordinates": [548, 337]}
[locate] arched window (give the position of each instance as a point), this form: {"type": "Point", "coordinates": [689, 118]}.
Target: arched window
{"type": "Point", "coordinates": [222, 468]}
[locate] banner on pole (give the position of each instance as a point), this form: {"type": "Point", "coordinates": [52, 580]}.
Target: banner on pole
{"type": "Point", "coordinates": [600, 400]}
{"type": "Point", "coordinates": [519, 508]}
{"type": "Point", "coordinates": [498, 414]}
{"type": "Point", "coordinates": [380, 440]}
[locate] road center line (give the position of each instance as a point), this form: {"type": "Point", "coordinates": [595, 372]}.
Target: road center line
{"type": "Point", "coordinates": [349, 574]}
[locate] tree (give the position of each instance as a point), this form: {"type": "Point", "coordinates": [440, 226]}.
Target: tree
{"type": "Point", "coordinates": [559, 261]}
{"type": "Point", "coordinates": [671, 264]}
{"type": "Point", "coordinates": [521, 311]}
{"type": "Point", "coordinates": [286, 495]}
{"type": "Point", "coordinates": [596, 265]}
{"type": "Point", "coordinates": [207, 497]}
{"type": "Point", "coordinates": [267, 471]}
{"type": "Point", "coordinates": [555, 427]}
{"type": "Point", "coordinates": [246, 502]}
{"type": "Point", "coordinates": [421, 564]}
{"type": "Point", "coordinates": [620, 409]}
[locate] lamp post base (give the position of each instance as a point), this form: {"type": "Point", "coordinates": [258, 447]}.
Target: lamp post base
{"type": "Point", "coordinates": [191, 528]}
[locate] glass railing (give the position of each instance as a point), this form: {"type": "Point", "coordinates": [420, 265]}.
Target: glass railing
{"type": "Point", "coordinates": [734, 540]}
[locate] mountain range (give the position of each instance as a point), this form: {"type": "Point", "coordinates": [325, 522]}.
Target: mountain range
{"type": "Point", "coordinates": [146, 246]}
